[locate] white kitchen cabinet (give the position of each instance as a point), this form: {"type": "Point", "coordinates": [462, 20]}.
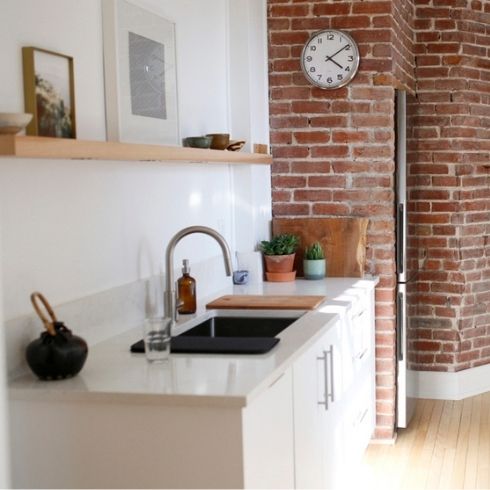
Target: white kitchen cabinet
{"type": "Point", "coordinates": [360, 393]}
{"type": "Point", "coordinates": [334, 401]}
{"type": "Point", "coordinates": [141, 444]}
{"type": "Point", "coordinates": [358, 424]}
{"type": "Point", "coordinates": [317, 398]}
{"type": "Point", "coordinates": [268, 439]}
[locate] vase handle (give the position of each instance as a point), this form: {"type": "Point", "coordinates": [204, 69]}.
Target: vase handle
{"type": "Point", "coordinates": [48, 325]}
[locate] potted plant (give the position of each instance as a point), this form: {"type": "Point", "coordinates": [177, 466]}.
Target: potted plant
{"type": "Point", "coordinates": [279, 253]}
{"type": "Point", "coordinates": [314, 263]}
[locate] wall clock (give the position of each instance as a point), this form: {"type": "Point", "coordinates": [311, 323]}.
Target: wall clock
{"type": "Point", "coordinates": [330, 59]}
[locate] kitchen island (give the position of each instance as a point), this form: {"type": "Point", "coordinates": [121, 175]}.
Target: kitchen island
{"type": "Point", "coordinates": [209, 421]}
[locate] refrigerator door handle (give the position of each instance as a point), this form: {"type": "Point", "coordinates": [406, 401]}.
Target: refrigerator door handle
{"type": "Point", "coordinates": [400, 238]}
{"type": "Point", "coordinates": [400, 321]}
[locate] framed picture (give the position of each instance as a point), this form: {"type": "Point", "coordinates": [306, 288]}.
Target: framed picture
{"type": "Point", "coordinates": [140, 75]}
{"type": "Point", "coordinates": [49, 93]}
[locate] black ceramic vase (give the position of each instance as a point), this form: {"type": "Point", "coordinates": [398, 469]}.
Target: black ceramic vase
{"type": "Point", "coordinates": [57, 353]}
{"type": "Point", "coordinates": [57, 356]}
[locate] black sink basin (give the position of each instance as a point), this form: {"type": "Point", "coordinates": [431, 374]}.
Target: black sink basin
{"type": "Point", "coordinates": [228, 335]}
{"type": "Point", "coordinates": [225, 326]}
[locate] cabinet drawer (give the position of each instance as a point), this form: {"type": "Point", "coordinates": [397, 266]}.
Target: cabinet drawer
{"type": "Point", "coordinates": [358, 348]}
{"type": "Point", "coordinates": [361, 335]}
{"type": "Point", "coordinates": [358, 424]}
{"type": "Point", "coordinates": [360, 300]}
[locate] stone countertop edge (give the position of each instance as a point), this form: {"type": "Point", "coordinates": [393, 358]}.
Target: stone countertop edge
{"type": "Point", "coordinates": [113, 375]}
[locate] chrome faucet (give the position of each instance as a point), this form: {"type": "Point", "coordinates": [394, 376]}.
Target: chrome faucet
{"type": "Point", "coordinates": [170, 296]}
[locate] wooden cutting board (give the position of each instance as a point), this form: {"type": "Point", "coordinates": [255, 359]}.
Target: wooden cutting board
{"type": "Point", "coordinates": [343, 239]}
{"type": "Point", "coordinates": [258, 302]}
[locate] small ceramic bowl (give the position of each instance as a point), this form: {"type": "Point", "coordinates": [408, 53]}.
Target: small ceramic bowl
{"type": "Point", "coordinates": [13, 122]}
{"type": "Point", "coordinates": [197, 141]}
{"type": "Point", "coordinates": [219, 140]}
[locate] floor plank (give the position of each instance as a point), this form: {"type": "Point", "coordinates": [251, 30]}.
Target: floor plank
{"type": "Point", "coordinates": [483, 465]}
{"type": "Point", "coordinates": [471, 466]}
{"type": "Point", "coordinates": [416, 477]}
{"type": "Point", "coordinates": [440, 443]}
{"type": "Point", "coordinates": [447, 445]}
{"type": "Point", "coordinates": [461, 452]}
{"type": "Point", "coordinates": [451, 442]}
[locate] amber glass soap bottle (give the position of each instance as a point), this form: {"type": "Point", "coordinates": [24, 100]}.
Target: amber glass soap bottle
{"type": "Point", "coordinates": [186, 288]}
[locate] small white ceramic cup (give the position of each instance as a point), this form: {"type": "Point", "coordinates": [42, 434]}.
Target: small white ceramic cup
{"type": "Point", "coordinates": [156, 335]}
{"type": "Point", "coordinates": [240, 277]}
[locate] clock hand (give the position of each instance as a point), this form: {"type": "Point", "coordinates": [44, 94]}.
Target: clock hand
{"type": "Point", "coordinates": [329, 58]}
{"type": "Point", "coordinates": [341, 49]}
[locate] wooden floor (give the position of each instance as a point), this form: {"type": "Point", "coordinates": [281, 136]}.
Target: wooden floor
{"type": "Point", "coordinates": [446, 446]}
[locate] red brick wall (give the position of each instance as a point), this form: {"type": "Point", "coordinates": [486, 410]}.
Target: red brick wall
{"type": "Point", "coordinates": [450, 184]}
{"type": "Point", "coordinates": [334, 150]}
{"type": "Point", "coordinates": [402, 49]}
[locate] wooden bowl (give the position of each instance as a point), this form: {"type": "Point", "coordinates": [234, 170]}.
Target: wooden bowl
{"type": "Point", "coordinates": [220, 141]}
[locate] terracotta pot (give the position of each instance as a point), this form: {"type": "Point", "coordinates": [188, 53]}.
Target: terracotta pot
{"type": "Point", "coordinates": [279, 263]}
{"type": "Point", "coordinates": [280, 276]}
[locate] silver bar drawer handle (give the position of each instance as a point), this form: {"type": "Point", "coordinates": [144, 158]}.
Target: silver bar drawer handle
{"type": "Point", "coordinates": [325, 377]}
{"type": "Point", "coordinates": [331, 395]}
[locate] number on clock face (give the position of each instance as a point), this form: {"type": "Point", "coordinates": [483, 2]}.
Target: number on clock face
{"type": "Point", "coordinates": [330, 59]}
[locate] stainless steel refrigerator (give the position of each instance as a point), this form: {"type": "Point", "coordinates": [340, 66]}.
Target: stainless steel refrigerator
{"type": "Point", "coordinates": [407, 265]}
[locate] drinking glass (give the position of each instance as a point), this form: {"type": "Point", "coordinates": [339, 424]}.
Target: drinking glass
{"type": "Point", "coordinates": [156, 335]}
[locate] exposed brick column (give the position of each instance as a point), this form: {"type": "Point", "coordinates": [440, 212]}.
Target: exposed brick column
{"type": "Point", "coordinates": [334, 150]}
{"type": "Point", "coordinates": [450, 184]}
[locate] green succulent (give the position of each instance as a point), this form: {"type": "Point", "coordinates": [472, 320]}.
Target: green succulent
{"type": "Point", "coordinates": [314, 252]}
{"type": "Point", "coordinates": [284, 244]}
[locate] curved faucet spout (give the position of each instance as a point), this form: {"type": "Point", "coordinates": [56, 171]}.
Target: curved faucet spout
{"type": "Point", "coordinates": [169, 296]}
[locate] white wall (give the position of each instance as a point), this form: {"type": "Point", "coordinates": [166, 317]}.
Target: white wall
{"type": "Point", "coordinates": [72, 228]}
{"type": "Point", "coordinates": [69, 27]}
{"type": "Point", "coordinates": [249, 114]}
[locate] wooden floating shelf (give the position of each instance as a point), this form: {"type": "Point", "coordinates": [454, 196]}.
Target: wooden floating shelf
{"type": "Point", "coordinates": [64, 148]}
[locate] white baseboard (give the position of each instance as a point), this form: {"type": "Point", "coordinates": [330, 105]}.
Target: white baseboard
{"type": "Point", "coordinates": [448, 386]}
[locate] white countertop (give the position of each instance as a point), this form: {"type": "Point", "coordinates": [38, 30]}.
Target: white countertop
{"type": "Point", "coordinates": [112, 373]}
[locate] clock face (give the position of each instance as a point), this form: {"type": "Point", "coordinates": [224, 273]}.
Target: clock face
{"type": "Point", "coordinates": [330, 59]}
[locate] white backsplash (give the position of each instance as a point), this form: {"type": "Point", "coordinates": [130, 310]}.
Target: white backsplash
{"type": "Point", "coordinates": [101, 316]}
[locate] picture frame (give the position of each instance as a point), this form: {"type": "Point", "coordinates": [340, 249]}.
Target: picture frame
{"type": "Point", "coordinates": [140, 75]}
{"type": "Point", "coordinates": [49, 93]}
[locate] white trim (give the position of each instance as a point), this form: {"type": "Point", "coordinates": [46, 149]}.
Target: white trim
{"type": "Point", "coordinates": [450, 386]}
